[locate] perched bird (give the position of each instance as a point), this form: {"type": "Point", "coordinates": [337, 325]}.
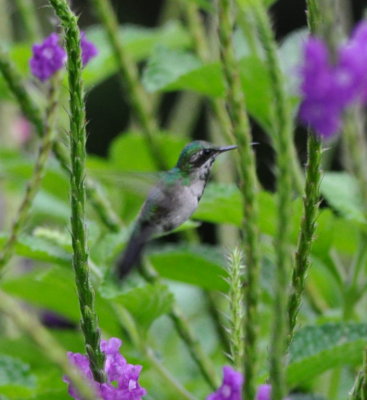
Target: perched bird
{"type": "Point", "coordinates": [172, 201]}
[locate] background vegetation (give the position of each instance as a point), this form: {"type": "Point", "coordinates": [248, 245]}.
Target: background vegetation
{"type": "Point", "coordinates": [198, 302]}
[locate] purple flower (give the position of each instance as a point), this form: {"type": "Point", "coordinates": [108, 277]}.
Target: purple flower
{"type": "Point", "coordinates": [231, 387]}
{"type": "Point", "coordinates": [89, 50]}
{"type": "Point", "coordinates": [263, 392]}
{"type": "Point", "coordinates": [48, 57]}
{"type": "Point", "coordinates": [329, 89]}
{"type": "Point", "coordinates": [321, 107]}
{"type": "Point", "coordinates": [122, 378]}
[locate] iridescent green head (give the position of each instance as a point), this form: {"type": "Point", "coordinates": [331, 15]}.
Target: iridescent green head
{"type": "Point", "coordinates": [198, 154]}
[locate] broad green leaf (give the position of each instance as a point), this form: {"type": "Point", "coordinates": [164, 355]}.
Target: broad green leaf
{"type": "Point", "coordinates": [15, 377]}
{"type": "Point", "coordinates": [17, 169]}
{"type": "Point", "coordinates": [138, 42]}
{"type": "Point", "coordinates": [208, 80]}
{"type": "Point", "coordinates": [324, 283]}
{"type": "Point", "coordinates": [221, 203]}
{"type": "Point", "coordinates": [341, 191]}
{"type": "Point", "coordinates": [315, 349]}
{"type": "Point", "coordinates": [165, 66]}
{"type": "Point", "coordinates": [47, 205]}
{"type": "Point", "coordinates": [198, 265]}
{"type": "Point", "coordinates": [38, 249]}
{"type": "Point", "coordinates": [335, 232]}
{"type": "Point", "coordinates": [55, 290]}
{"type": "Point", "coordinates": [129, 151]}
{"type": "Point", "coordinates": [146, 304]}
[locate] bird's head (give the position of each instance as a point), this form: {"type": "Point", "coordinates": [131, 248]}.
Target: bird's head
{"type": "Point", "coordinates": [199, 155]}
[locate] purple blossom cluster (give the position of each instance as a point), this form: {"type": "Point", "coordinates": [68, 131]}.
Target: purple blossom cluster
{"type": "Point", "coordinates": [329, 88]}
{"type": "Point", "coordinates": [49, 57]}
{"type": "Point", "coordinates": [231, 388]}
{"type": "Point", "coordinates": [122, 378]}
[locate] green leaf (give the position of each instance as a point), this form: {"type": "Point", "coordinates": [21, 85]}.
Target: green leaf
{"type": "Point", "coordinates": [138, 42]}
{"type": "Point", "coordinates": [165, 66]}
{"type": "Point", "coordinates": [146, 304]}
{"type": "Point", "coordinates": [221, 203]}
{"type": "Point", "coordinates": [54, 289]}
{"type": "Point", "coordinates": [38, 249]}
{"type": "Point", "coordinates": [315, 349]}
{"type": "Point", "coordinates": [180, 73]}
{"type": "Point", "coordinates": [18, 169]}
{"type": "Point", "coordinates": [15, 377]}
{"type": "Point", "coordinates": [342, 193]}
{"type": "Point", "coordinates": [129, 151]}
{"type": "Point", "coordinates": [197, 265]}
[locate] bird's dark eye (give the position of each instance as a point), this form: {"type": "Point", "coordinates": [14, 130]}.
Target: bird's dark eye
{"type": "Point", "coordinates": [206, 152]}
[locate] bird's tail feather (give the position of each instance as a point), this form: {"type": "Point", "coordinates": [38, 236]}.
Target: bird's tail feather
{"type": "Point", "coordinates": [133, 250]}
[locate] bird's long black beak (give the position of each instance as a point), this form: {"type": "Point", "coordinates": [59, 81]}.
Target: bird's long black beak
{"type": "Point", "coordinates": [226, 148]}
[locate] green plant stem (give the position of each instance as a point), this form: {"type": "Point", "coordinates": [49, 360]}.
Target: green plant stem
{"type": "Point", "coordinates": [184, 330]}
{"type": "Point", "coordinates": [49, 346]}
{"type": "Point", "coordinates": [241, 128]}
{"type": "Point", "coordinates": [34, 115]}
{"type": "Point", "coordinates": [235, 299]}
{"type": "Point", "coordinates": [310, 202]}
{"type": "Point", "coordinates": [199, 39]}
{"type": "Point", "coordinates": [359, 390]}
{"type": "Point", "coordinates": [27, 12]}
{"type": "Point", "coordinates": [38, 173]}
{"type": "Point", "coordinates": [89, 320]}
{"type": "Point", "coordinates": [140, 103]}
{"type": "Point", "coordinates": [285, 163]}
{"type": "Point", "coordinates": [282, 112]}
{"type": "Point", "coordinates": [308, 227]}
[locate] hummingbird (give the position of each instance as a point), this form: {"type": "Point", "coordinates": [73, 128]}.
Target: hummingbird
{"type": "Point", "coordinates": [172, 201]}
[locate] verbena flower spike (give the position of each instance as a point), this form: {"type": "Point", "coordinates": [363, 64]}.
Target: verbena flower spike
{"type": "Point", "coordinates": [89, 50]}
{"type": "Point", "coordinates": [122, 378]}
{"type": "Point", "coordinates": [329, 89]}
{"type": "Point", "coordinates": [48, 58]}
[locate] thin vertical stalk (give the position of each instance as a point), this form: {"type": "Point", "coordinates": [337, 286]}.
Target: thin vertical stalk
{"type": "Point", "coordinates": [89, 320]}
{"type": "Point", "coordinates": [241, 129]}
{"type": "Point", "coordinates": [201, 47]}
{"type": "Point", "coordinates": [27, 12]}
{"type": "Point", "coordinates": [235, 299]}
{"type": "Point", "coordinates": [285, 161]}
{"type": "Point", "coordinates": [184, 330]}
{"type": "Point", "coordinates": [308, 227]}
{"type": "Point", "coordinates": [34, 114]}
{"type": "Point", "coordinates": [310, 202]}
{"type": "Point", "coordinates": [282, 112]}
{"type": "Point", "coordinates": [38, 173]}
{"type": "Point", "coordinates": [213, 306]}
{"type": "Point", "coordinates": [359, 390]}
{"type": "Point", "coordinates": [140, 103]}
{"type": "Point", "coordinates": [49, 346]}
